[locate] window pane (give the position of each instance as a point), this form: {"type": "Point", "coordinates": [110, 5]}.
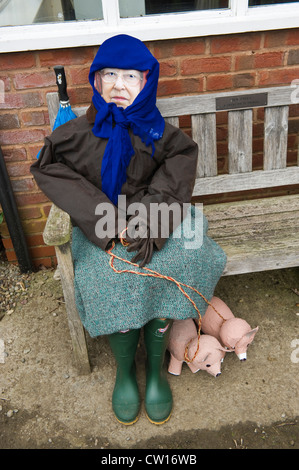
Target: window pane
{"type": "Point", "coordinates": [13, 13]}
{"type": "Point", "coordinates": [253, 3]}
{"type": "Point", "coordinates": [154, 7]}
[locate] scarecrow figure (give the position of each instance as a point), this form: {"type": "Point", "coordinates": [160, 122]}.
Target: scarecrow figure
{"type": "Point", "coordinates": [123, 147]}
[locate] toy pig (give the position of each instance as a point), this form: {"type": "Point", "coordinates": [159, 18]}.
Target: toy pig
{"type": "Point", "coordinates": [209, 356]}
{"type": "Point", "coordinates": [233, 333]}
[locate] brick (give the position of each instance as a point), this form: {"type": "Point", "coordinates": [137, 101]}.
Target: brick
{"type": "Point", "coordinates": [46, 209]}
{"type": "Point", "coordinates": [9, 121]}
{"type": "Point", "coordinates": [34, 226]}
{"type": "Point", "coordinates": [7, 82]}
{"type": "Point", "coordinates": [244, 80]}
{"type": "Point", "coordinates": [21, 136]}
{"type": "Point", "coordinates": [293, 57]}
{"type": "Point", "coordinates": [275, 38]}
{"type": "Point", "coordinates": [14, 154]}
{"type": "Point", "coordinates": [268, 59]}
{"type": "Point", "coordinates": [7, 242]}
{"type": "Point", "coordinates": [168, 69]}
{"type": "Point", "coordinates": [25, 184]}
{"type": "Point", "coordinates": [219, 82]}
{"type": "Point", "coordinates": [292, 37]}
{"type": "Point", "coordinates": [189, 47]}
{"type": "Point", "coordinates": [30, 198]}
{"type": "Point", "coordinates": [22, 100]}
{"type": "Point", "coordinates": [33, 118]}
{"type": "Point", "coordinates": [17, 60]}
{"type": "Point", "coordinates": [80, 95]}
{"type": "Point", "coordinates": [277, 77]}
{"type": "Point", "coordinates": [205, 65]}
{"type": "Point", "coordinates": [176, 87]}
{"type": "Point", "coordinates": [34, 80]}
{"type": "Point", "coordinates": [78, 75]}
{"type": "Point", "coordinates": [33, 150]}
{"type": "Point", "coordinates": [30, 213]}
{"type": "Point", "coordinates": [11, 255]}
{"type": "Point", "coordinates": [235, 42]}
{"type": "Point", "coordinates": [42, 251]}
{"type": "Point", "coordinates": [35, 240]}
{"type": "Point", "coordinates": [74, 56]}
{"type": "Point", "coordinates": [244, 62]}
{"type": "Point", "coordinates": [18, 169]}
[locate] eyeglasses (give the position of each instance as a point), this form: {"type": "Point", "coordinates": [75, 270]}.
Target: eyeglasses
{"type": "Point", "coordinates": [130, 77]}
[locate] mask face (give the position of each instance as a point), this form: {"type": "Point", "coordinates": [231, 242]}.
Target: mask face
{"type": "Point", "coordinates": [119, 86]}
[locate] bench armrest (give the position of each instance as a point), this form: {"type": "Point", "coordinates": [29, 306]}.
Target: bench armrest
{"type": "Point", "coordinates": [58, 227]}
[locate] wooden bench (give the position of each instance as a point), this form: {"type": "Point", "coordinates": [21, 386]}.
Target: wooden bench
{"type": "Point", "coordinates": [257, 234]}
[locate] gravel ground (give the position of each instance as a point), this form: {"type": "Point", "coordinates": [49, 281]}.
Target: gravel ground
{"type": "Point", "coordinates": [45, 405]}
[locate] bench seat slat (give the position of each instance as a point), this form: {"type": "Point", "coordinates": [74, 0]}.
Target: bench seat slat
{"type": "Point", "coordinates": [256, 235]}
{"type": "Point", "coordinates": [246, 181]}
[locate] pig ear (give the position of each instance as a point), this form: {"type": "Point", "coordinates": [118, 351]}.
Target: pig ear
{"type": "Point", "coordinates": [252, 333]}
{"type": "Point", "coordinates": [225, 349]}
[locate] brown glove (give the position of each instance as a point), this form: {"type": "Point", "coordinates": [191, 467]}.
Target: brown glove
{"type": "Point", "coordinates": [144, 245]}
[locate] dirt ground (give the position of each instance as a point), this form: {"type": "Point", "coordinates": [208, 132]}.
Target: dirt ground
{"type": "Point", "coordinates": [44, 404]}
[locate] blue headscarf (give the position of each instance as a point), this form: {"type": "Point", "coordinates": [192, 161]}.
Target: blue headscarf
{"type": "Point", "coordinates": [142, 116]}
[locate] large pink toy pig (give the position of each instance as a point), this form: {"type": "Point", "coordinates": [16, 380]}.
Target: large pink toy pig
{"type": "Point", "coordinates": [233, 333]}
{"type": "Point", "coordinates": [209, 356]}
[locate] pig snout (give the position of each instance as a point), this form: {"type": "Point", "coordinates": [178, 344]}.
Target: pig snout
{"type": "Point", "coordinates": [214, 369]}
{"type": "Point", "coordinates": [242, 356]}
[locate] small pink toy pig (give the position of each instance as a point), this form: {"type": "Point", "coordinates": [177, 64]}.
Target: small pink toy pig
{"type": "Point", "coordinates": [209, 356]}
{"type": "Point", "coordinates": [233, 333]}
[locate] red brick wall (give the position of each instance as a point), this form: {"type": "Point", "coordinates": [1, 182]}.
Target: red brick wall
{"type": "Point", "coordinates": [188, 66]}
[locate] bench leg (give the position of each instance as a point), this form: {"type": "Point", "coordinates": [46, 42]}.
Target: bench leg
{"type": "Point", "coordinates": [80, 353]}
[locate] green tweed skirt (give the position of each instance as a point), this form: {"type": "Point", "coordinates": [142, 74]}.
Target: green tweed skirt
{"type": "Point", "coordinates": [108, 302]}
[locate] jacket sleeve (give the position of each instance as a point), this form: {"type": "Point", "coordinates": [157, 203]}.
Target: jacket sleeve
{"type": "Point", "coordinates": [77, 196]}
{"type": "Point", "coordinates": [172, 184]}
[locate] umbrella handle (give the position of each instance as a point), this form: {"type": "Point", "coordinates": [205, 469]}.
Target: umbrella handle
{"type": "Point", "coordinates": [61, 83]}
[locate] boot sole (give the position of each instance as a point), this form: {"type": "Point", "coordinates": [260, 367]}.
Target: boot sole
{"type": "Point", "coordinates": [157, 422]}
{"type": "Point", "coordinates": [127, 423]}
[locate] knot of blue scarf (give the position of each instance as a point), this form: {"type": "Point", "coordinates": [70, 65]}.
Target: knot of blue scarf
{"type": "Point", "coordinates": [113, 123]}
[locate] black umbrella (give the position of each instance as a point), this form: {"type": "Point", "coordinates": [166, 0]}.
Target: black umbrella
{"type": "Point", "coordinates": [65, 112]}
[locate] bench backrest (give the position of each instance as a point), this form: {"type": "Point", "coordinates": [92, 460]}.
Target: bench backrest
{"type": "Point", "coordinates": [240, 105]}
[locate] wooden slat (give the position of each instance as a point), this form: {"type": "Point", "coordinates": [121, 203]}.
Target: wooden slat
{"type": "Point", "coordinates": [276, 137]}
{"type": "Point", "coordinates": [206, 103]}
{"type": "Point", "coordinates": [80, 353]}
{"type": "Point", "coordinates": [256, 235]}
{"type": "Point", "coordinates": [246, 181]}
{"type": "Point", "coordinates": [204, 134]}
{"type": "Point", "coordinates": [53, 106]}
{"type": "Point", "coordinates": [173, 120]}
{"type": "Point", "coordinates": [240, 141]}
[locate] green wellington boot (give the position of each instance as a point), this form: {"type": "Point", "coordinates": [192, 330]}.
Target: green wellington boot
{"type": "Point", "coordinates": [125, 397]}
{"type": "Point", "coordinates": [158, 396]}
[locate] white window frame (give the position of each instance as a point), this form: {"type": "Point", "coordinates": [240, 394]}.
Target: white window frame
{"type": "Point", "coordinates": [238, 19]}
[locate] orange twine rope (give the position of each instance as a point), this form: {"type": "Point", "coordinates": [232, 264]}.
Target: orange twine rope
{"type": "Point", "coordinates": [150, 273]}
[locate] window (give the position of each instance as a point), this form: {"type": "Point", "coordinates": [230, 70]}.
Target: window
{"type": "Point", "coordinates": [156, 7]}
{"type": "Point", "coordinates": [252, 3]}
{"type": "Point", "coordinates": [13, 13]}
{"type": "Point", "coordinates": [50, 24]}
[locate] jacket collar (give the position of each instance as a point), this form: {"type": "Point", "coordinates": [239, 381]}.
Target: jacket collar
{"type": "Point", "coordinates": [91, 114]}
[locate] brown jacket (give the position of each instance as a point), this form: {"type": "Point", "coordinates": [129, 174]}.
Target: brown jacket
{"type": "Point", "coordinates": [68, 171]}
